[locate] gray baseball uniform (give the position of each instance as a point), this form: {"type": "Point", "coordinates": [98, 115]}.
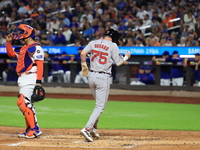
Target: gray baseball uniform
{"type": "Point", "coordinates": [103, 53]}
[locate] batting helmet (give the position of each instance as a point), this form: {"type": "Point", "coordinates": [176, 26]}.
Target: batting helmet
{"type": "Point", "coordinates": [113, 34]}
{"type": "Point", "coordinates": [24, 31]}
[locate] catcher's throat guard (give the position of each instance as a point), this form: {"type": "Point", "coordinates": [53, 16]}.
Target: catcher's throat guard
{"type": "Point", "coordinates": [38, 94]}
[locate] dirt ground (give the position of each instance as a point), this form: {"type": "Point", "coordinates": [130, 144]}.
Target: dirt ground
{"type": "Point", "coordinates": [53, 139]}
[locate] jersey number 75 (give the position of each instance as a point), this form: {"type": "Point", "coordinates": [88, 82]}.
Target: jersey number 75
{"type": "Point", "coordinates": [102, 56]}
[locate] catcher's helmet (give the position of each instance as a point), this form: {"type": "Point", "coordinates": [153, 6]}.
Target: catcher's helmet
{"type": "Point", "coordinates": [113, 34]}
{"type": "Point", "coordinates": [24, 31]}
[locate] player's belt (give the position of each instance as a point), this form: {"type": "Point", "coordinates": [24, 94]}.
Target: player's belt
{"type": "Point", "coordinates": [101, 72]}
{"type": "Point", "coordinates": [25, 73]}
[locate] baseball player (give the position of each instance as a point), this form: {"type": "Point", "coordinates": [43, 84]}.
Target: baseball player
{"type": "Point", "coordinates": [196, 70]}
{"type": "Point", "coordinates": [102, 54]}
{"type": "Point", "coordinates": [30, 70]}
{"type": "Point", "coordinates": [165, 76]}
{"type": "Point", "coordinates": [177, 72]}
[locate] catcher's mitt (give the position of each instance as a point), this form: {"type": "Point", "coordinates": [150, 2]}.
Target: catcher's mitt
{"type": "Point", "coordinates": [84, 69]}
{"type": "Point", "coordinates": [38, 94]}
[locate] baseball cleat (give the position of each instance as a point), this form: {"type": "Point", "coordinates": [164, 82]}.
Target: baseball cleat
{"type": "Point", "coordinates": [36, 129]}
{"type": "Point", "coordinates": [31, 134]}
{"type": "Point", "coordinates": [86, 134]}
{"type": "Point", "coordinates": [22, 134]}
{"type": "Point", "coordinates": [95, 134]}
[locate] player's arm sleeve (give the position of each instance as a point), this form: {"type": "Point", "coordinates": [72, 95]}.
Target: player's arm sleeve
{"type": "Point", "coordinates": [117, 57]}
{"type": "Point", "coordinates": [10, 50]}
{"type": "Point", "coordinates": [40, 68]}
{"type": "Point", "coordinates": [39, 60]}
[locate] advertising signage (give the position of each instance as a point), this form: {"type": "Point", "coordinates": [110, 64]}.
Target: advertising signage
{"type": "Point", "coordinates": [133, 50]}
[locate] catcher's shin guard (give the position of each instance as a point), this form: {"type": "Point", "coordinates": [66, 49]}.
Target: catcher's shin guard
{"type": "Point", "coordinates": [28, 113]}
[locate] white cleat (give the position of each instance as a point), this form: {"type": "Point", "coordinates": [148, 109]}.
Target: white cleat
{"type": "Point", "coordinates": [95, 134]}
{"type": "Point", "coordinates": [86, 134]}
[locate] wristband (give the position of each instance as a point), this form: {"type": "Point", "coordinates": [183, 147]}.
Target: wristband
{"type": "Point", "coordinates": [39, 81]}
{"type": "Point", "coordinates": [83, 63]}
{"type": "Point", "coordinates": [125, 58]}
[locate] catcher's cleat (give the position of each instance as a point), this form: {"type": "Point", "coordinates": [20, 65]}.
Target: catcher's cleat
{"type": "Point", "coordinates": [36, 129]}
{"type": "Point", "coordinates": [86, 134]}
{"type": "Point", "coordinates": [31, 134]}
{"type": "Point", "coordinates": [95, 134]}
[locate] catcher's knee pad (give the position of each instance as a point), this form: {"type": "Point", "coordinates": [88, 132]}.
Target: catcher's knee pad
{"type": "Point", "coordinates": [28, 113]}
{"type": "Point", "coordinates": [21, 103]}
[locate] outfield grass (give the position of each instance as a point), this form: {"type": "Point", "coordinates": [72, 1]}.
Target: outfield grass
{"type": "Point", "coordinates": [64, 113]}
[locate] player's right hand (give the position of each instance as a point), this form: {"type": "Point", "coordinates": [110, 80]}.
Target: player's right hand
{"type": "Point", "coordinates": [9, 38]}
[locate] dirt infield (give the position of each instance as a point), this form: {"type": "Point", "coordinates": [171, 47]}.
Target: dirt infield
{"type": "Point", "coordinates": [54, 139]}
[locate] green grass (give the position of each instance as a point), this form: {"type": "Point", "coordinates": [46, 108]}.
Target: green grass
{"type": "Point", "coordinates": [64, 113]}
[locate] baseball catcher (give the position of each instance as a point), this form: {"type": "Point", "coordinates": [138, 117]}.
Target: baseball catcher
{"type": "Point", "coordinates": [30, 71]}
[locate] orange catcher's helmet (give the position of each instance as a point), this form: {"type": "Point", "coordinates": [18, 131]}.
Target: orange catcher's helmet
{"type": "Point", "coordinates": [24, 31]}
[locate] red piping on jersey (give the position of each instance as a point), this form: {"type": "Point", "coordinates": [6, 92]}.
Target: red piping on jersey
{"type": "Point", "coordinates": [21, 58]}
{"type": "Point", "coordinates": [10, 50]}
{"type": "Point", "coordinates": [40, 67]}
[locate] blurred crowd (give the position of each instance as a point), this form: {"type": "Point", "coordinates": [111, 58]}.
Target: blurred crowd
{"type": "Point", "coordinates": [76, 22]}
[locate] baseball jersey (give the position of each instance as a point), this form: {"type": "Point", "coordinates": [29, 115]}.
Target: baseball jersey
{"type": "Point", "coordinates": [103, 54]}
{"type": "Point", "coordinates": [176, 71]}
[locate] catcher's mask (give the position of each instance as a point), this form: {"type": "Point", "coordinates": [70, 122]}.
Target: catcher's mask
{"type": "Point", "coordinates": [23, 31]}
{"type": "Point", "coordinates": [113, 34]}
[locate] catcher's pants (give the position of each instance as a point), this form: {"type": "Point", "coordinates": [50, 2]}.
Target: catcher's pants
{"type": "Point", "coordinates": [26, 85]}
{"type": "Point", "coordinates": [177, 81]}
{"type": "Point", "coordinates": [165, 82]}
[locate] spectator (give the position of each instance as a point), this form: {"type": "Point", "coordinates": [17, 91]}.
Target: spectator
{"type": "Point", "coordinates": [140, 14]}
{"type": "Point", "coordinates": [139, 42]}
{"type": "Point", "coordinates": [129, 42]}
{"type": "Point", "coordinates": [61, 23]}
{"type": "Point", "coordinates": [165, 76]}
{"type": "Point", "coordinates": [147, 21]}
{"type": "Point", "coordinates": [156, 41]}
{"type": "Point", "coordinates": [55, 24]}
{"type": "Point", "coordinates": [182, 42]}
{"type": "Point", "coordinates": [2, 40]}
{"type": "Point", "coordinates": [22, 9]}
{"type": "Point", "coordinates": [122, 27]}
{"type": "Point", "coordinates": [44, 40]}
{"type": "Point", "coordinates": [167, 22]}
{"type": "Point", "coordinates": [168, 42]}
{"type": "Point", "coordinates": [88, 31]}
{"type": "Point", "coordinates": [190, 40]}
{"type": "Point", "coordinates": [113, 25]}
{"type": "Point", "coordinates": [88, 15]}
{"type": "Point", "coordinates": [67, 33]}
{"type": "Point", "coordinates": [74, 23]}
{"type": "Point", "coordinates": [59, 38]}
{"type": "Point", "coordinates": [189, 19]}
